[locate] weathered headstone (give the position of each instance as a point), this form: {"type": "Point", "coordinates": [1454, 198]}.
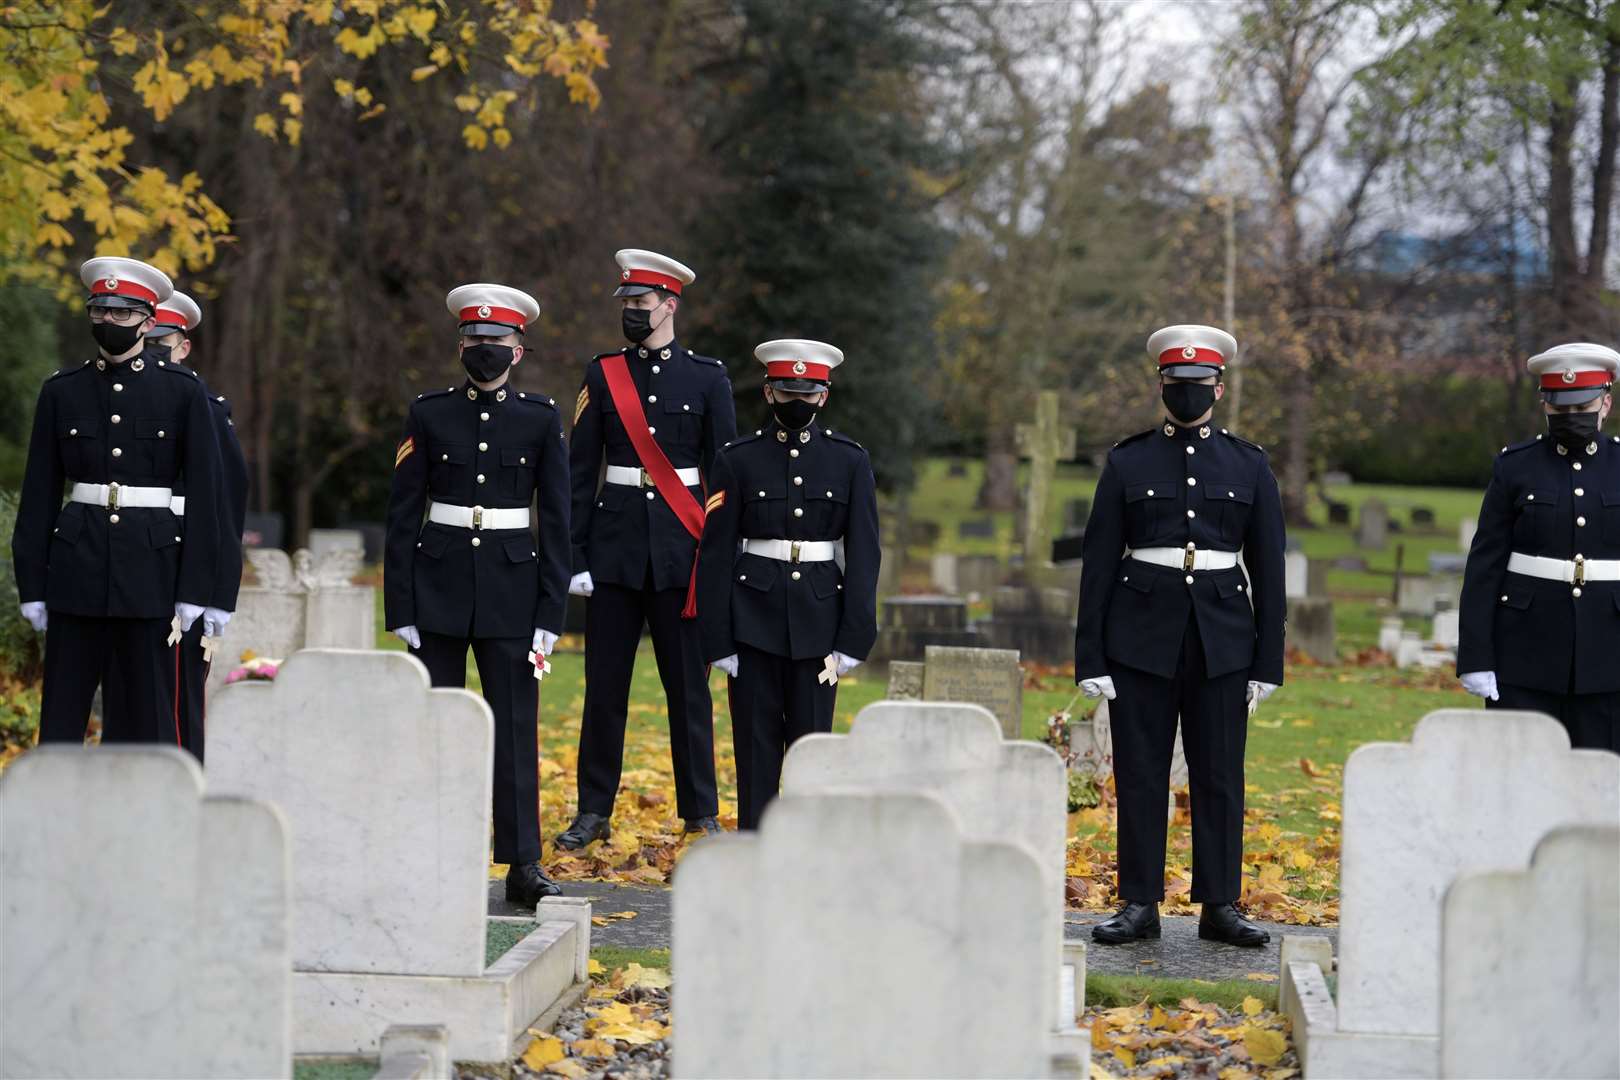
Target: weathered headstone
{"type": "Point", "coordinates": [1316, 577]}
{"type": "Point", "coordinates": [1447, 562]}
{"type": "Point", "coordinates": [1422, 517]}
{"type": "Point", "coordinates": [1390, 629]}
{"type": "Point", "coordinates": [1421, 595]}
{"type": "Point", "coordinates": [908, 624]}
{"type": "Point", "coordinates": [1372, 526]}
{"type": "Point", "coordinates": [1338, 513]}
{"type": "Point", "coordinates": [386, 786]}
{"type": "Point", "coordinates": [1044, 443]}
{"type": "Point", "coordinates": [145, 928]}
{"type": "Point", "coordinates": [1036, 622]}
{"type": "Point", "coordinates": [1465, 533]}
{"type": "Point", "coordinates": [905, 680]}
{"type": "Point", "coordinates": [977, 575]}
{"type": "Point", "coordinates": [942, 569]}
{"type": "Point", "coordinates": [1409, 649]}
{"type": "Point", "coordinates": [1310, 628]}
{"type": "Point", "coordinates": [976, 529]}
{"type": "Point", "coordinates": [1296, 574]}
{"type": "Point", "coordinates": [262, 530]}
{"type": "Point", "coordinates": [860, 934]}
{"type": "Point", "coordinates": [988, 677]}
{"type": "Point", "coordinates": [1336, 478]}
{"type": "Point", "coordinates": [1543, 1005]}
{"type": "Point", "coordinates": [1474, 790]}
{"type": "Point", "coordinates": [1447, 628]}
{"type": "Point", "coordinates": [957, 468]}
{"type": "Point", "coordinates": [1354, 564]}
{"type": "Point", "coordinates": [325, 541]}
{"type": "Point", "coordinates": [299, 601]}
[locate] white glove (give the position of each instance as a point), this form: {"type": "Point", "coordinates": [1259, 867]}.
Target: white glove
{"type": "Point", "coordinates": [409, 635]}
{"type": "Point", "coordinates": [581, 584]}
{"type": "Point", "coordinates": [728, 665]}
{"type": "Point", "coordinates": [187, 614]}
{"type": "Point", "coordinates": [846, 664]}
{"type": "Point", "coordinates": [1481, 684]}
{"type": "Point", "coordinates": [544, 641]}
{"type": "Point", "coordinates": [215, 621]}
{"type": "Point", "coordinates": [1259, 691]}
{"type": "Point", "coordinates": [34, 612]}
{"type": "Point", "coordinates": [1101, 685]}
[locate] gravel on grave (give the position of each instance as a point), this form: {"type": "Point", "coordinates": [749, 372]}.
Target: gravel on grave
{"type": "Point", "coordinates": [646, 1062]}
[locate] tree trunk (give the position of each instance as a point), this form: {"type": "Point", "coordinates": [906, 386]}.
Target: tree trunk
{"type": "Point", "coordinates": [1296, 455]}
{"type": "Point", "coordinates": [1564, 263]}
{"type": "Point", "coordinates": [999, 491]}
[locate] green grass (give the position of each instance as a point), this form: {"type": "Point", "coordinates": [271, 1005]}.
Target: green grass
{"type": "Point", "coordinates": [501, 937]}
{"type": "Point", "coordinates": [618, 956]}
{"type": "Point", "coordinates": [1113, 991]}
{"type": "Point", "coordinates": [335, 1069]}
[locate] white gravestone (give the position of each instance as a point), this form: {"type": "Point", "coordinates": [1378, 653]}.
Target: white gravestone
{"type": "Point", "coordinates": [1447, 628]}
{"type": "Point", "coordinates": [1389, 634]}
{"type": "Point", "coordinates": [300, 601]}
{"type": "Point", "coordinates": [1000, 790]}
{"type": "Point", "coordinates": [1296, 574]}
{"type": "Point", "coordinates": [145, 928]}
{"type": "Point", "coordinates": [1474, 790]}
{"type": "Point", "coordinates": [1465, 532]}
{"type": "Point", "coordinates": [859, 934]}
{"type": "Point", "coordinates": [1517, 1001]}
{"type": "Point", "coordinates": [386, 786]}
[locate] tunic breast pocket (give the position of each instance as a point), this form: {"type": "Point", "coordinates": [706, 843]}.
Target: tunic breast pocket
{"type": "Point", "coordinates": [517, 472]}
{"type": "Point", "coordinates": [684, 418]}
{"type": "Point", "coordinates": [764, 512]}
{"type": "Point", "coordinates": [448, 470]}
{"type": "Point", "coordinates": [1611, 517]}
{"type": "Point", "coordinates": [77, 440]}
{"type": "Point", "coordinates": [1233, 502]}
{"type": "Point", "coordinates": [155, 435]}
{"type": "Point", "coordinates": [1534, 513]}
{"type": "Point", "coordinates": [1147, 510]}
{"type": "Point", "coordinates": [829, 508]}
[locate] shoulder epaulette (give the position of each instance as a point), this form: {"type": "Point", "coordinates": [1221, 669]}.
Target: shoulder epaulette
{"type": "Point", "coordinates": [69, 371]}
{"type": "Point", "coordinates": [1516, 447]}
{"type": "Point", "coordinates": [176, 369]}
{"type": "Point", "coordinates": [435, 393]}
{"type": "Point", "coordinates": [537, 399]}
{"type": "Point", "coordinates": [218, 401]}
{"type": "Point", "coordinates": [1242, 440]}
{"type": "Point", "coordinates": [1127, 440]}
{"type": "Point", "coordinates": [705, 360]}
{"type": "Point", "coordinates": [610, 352]}
{"type": "Point", "coordinates": [744, 437]}
{"type": "Point", "coordinates": [838, 436]}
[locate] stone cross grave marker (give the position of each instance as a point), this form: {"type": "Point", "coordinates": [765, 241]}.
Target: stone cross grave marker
{"type": "Point", "coordinates": [988, 677]}
{"type": "Point", "coordinates": [146, 925]}
{"type": "Point", "coordinates": [860, 933]}
{"type": "Point", "coordinates": [1044, 444]}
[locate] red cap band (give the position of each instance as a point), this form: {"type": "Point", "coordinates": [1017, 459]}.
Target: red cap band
{"type": "Point", "coordinates": [1199, 356]}
{"type": "Point", "coordinates": [486, 313]}
{"type": "Point", "coordinates": [166, 317]}
{"type": "Point", "coordinates": [1582, 380]}
{"type": "Point", "coordinates": [797, 369]}
{"type": "Point", "coordinates": [122, 287]}
{"type": "Point", "coordinates": [651, 277]}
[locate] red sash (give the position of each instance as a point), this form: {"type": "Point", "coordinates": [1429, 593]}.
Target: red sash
{"type": "Point", "coordinates": [653, 459]}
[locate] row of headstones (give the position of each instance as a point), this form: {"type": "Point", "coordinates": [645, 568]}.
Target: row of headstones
{"type": "Point", "coordinates": [899, 912]}
{"type": "Point", "coordinates": [328, 882]}
{"type": "Point", "coordinates": [1479, 909]}
{"type": "Point", "coordinates": [1409, 648]}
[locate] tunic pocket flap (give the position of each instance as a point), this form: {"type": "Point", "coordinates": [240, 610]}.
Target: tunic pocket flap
{"type": "Point", "coordinates": [1517, 597]}
{"type": "Point", "coordinates": [519, 456]}
{"type": "Point", "coordinates": [1539, 497]}
{"type": "Point", "coordinates": [153, 428]}
{"type": "Point", "coordinates": [83, 427]}
{"type": "Point", "coordinates": [68, 523]}
{"type": "Point", "coordinates": [834, 492]}
{"type": "Point", "coordinates": [1162, 489]}
{"type": "Point", "coordinates": [1611, 498]}
{"type": "Point", "coordinates": [756, 573]}
{"type": "Point", "coordinates": [775, 488]}
{"type": "Point", "coordinates": [611, 497]}
{"type": "Point", "coordinates": [432, 542]}
{"type": "Point", "coordinates": [1227, 588]}
{"type": "Point", "coordinates": [520, 550]}
{"type": "Point", "coordinates": [690, 406]}
{"type": "Point", "coordinates": [1229, 492]}
{"type": "Point", "coordinates": [1141, 582]}
{"type": "Point", "coordinates": [163, 535]}
{"type": "Point", "coordinates": [454, 455]}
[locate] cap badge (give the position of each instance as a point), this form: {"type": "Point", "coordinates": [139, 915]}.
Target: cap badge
{"type": "Point", "coordinates": [110, 283]}
{"type": "Point", "coordinates": [625, 275]}
{"type": "Point", "coordinates": [1188, 352]}
{"type": "Point", "coordinates": [483, 311]}
{"type": "Point", "coordinates": [1569, 376]}
{"type": "Point", "coordinates": [798, 367]}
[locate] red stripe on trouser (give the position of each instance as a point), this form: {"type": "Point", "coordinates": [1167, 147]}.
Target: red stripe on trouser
{"type": "Point", "coordinates": [177, 740]}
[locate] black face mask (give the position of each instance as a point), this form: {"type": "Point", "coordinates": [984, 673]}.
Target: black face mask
{"type": "Point", "coordinates": [637, 323]}
{"type": "Point", "coordinates": [485, 362]}
{"type": "Point", "coordinates": [1188, 401]}
{"type": "Point", "coordinates": [157, 352]}
{"type": "Point", "coordinates": [115, 340]}
{"type": "Point", "coordinates": [795, 413]}
{"type": "Point", "coordinates": [1573, 431]}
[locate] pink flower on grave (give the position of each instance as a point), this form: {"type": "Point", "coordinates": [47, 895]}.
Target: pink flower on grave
{"type": "Point", "coordinates": [261, 668]}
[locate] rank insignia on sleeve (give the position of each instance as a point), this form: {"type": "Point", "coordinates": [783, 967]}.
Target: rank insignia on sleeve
{"type": "Point", "coordinates": [580, 404]}
{"type": "Point", "coordinates": [716, 501]}
{"type": "Point", "coordinates": [406, 449]}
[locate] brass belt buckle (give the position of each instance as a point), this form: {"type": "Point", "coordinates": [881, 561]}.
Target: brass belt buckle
{"type": "Point", "coordinates": [1187, 562]}
{"type": "Point", "coordinates": [1580, 570]}
{"type": "Point", "coordinates": [646, 479]}
{"type": "Point", "coordinates": [112, 496]}
{"type": "Point", "coordinates": [793, 550]}
{"type": "Point", "coordinates": [478, 517]}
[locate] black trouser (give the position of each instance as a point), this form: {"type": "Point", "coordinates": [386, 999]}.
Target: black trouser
{"type": "Point", "coordinates": [1214, 727]}
{"type": "Point", "coordinates": [193, 709]}
{"type": "Point", "coordinates": [774, 700]}
{"type": "Point", "coordinates": [1592, 720]}
{"type": "Point", "coordinates": [132, 662]}
{"type": "Point", "coordinates": [514, 698]}
{"type": "Point", "coordinates": [613, 619]}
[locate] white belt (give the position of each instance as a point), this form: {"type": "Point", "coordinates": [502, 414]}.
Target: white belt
{"type": "Point", "coordinates": [1576, 571]}
{"type": "Point", "coordinates": [479, 517]}
{"type": "Point", "coordinates": [795, 551]}
{"type": "Point", "coordinates": [1187, 558]}
{"type": "Point", "coordinates": [177, 506]}
{"type": "Point", "coordinates": [634, 476]}
{"type": "Point", "coordinates": [119, 496]}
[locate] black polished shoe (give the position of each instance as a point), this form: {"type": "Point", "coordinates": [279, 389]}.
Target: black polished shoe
{"type": "Point", "coordinates": [527, 884]}
{"type": "Point", "coordinates": [708, 826]}
{"type": "Point", "coordinates": [585, 829]}
{"type": "Point", "coordinates": [1224, 923]}
{"type": "Point", "coordinates": [1132, 922]}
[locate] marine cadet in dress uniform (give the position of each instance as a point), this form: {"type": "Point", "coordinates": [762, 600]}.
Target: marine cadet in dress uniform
{"type": "Point", "coordinates": [787, 579]}
{"type": "Point", "coordinates": [654, 413]}
{"type": "Point", "coordinates": [114, 577]}
{"type": "Point", "coordinates": [1170, 626]}
{"type": "Point", "coordinates": [169, 341]}
{"type": "Point", "coordinates": [475, 458]}
{"type": "Point", "coordinates": [1541, 592]}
